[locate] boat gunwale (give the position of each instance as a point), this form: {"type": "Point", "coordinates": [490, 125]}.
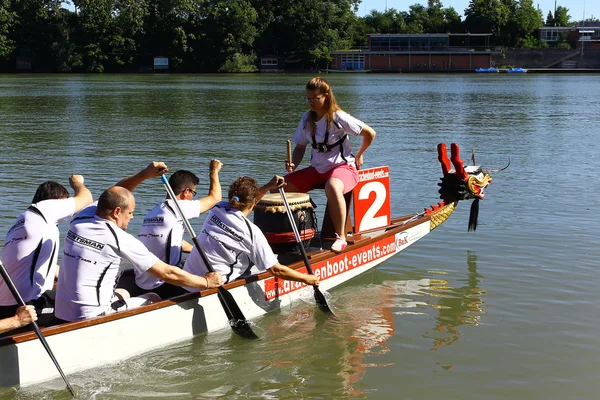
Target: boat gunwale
{"type": "Point", "coordinates": [396, 226]}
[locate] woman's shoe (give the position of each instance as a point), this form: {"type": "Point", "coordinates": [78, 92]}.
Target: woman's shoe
{"type": "Point", "coordinates": [339, 244]}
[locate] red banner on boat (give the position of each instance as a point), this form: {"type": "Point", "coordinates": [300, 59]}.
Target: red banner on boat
{"type": "Point", "coordinates": [334, 266]}
{"type": "Point", "coordinates": [372, 206]}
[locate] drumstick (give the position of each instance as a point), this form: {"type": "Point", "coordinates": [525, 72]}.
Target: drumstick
{"type": "Point", "coordinates": [289, 152]}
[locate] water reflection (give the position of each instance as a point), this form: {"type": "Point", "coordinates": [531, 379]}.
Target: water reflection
{"type": "Point", "coordinates": [456, 306]}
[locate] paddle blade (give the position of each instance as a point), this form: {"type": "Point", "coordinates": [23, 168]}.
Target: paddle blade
{"type": "Point", "coordinates": [236, 318]}
{"type": "Point", "coordinates": [322, 302]}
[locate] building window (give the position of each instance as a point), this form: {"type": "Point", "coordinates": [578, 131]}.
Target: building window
{"type": "Point", "coordinates": [269, 61]}
{"type": "Point", "coordinates": [353, 61]}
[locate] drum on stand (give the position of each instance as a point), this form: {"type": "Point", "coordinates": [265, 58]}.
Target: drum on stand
{"type": "Point", "coordinates": [271, 217]}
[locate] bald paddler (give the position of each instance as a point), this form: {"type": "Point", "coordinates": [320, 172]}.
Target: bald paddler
{"type": "Point", "coordinates": [93, 251]}
{"type": "Point", "coordinates": [31, 246]}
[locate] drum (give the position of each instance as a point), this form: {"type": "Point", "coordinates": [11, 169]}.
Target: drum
{"type": "Point", "coordinates": [271, 217]}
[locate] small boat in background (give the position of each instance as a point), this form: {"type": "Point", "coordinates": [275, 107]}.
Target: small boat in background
{"type": "Point", "coordinates": [516, 70]}
{"type": "Point", "coordinates": [490, 69]}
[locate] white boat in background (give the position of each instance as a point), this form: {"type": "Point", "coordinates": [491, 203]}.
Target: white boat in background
{"type": "Point", "coordinates": [99, 341]}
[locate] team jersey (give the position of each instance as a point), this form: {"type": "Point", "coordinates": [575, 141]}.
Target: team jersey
{"type": "Point", "coordinates": [87, 213]}
{"type": "Point", "coordinates": [89, 269]}
{"type": "Point", "coordinates": [31, 249]}
{"type": "Point", "coordinates": [233, 245]}
{"type": "Point", "coordinates": [162, 233]}
{"type": "Point", "coordinates": [342, 124]}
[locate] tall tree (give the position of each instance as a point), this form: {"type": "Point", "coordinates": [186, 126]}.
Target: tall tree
{"type": "Point", "coordinates": [550, 19]}
{"type": "Point", "coordinates": [7, 21]}
{"type": "Point", "coordinates": [127, 30]}
{"type": "Point", "coordinates": [452, 21]}
{"type": "Point", "coordinates": [483, 16]}
{"type": "Point", "coordinates": [309, 30]}
{"type": "Point", "coordinates": [523, 20]}
{"type": "Point", "coordinates": [228, 33]}
{"type": "Point", "coordinates": [389, 21]}
{"type": "Point", "coordinates": [435, 17]}
{"type": "Point", "coordinates": [562, 17]}
{"type": "Point", "coordinates": [37, 30]}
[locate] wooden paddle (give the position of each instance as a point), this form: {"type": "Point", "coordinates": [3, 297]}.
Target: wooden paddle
{"type": "Point", "coordinates": [36, 328]}
{"type": "Point", "coordinates": [319, 297]}
{"type": "Point", "coordinates": [236, 318]}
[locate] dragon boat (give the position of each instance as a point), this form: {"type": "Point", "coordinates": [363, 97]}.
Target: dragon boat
{"type": "Point", "coordinates": [375, 237]}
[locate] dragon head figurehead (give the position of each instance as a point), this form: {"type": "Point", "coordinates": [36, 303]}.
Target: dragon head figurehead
{"type": "Point", "coordinates": [462, 183]}
{"type": "Point", "coordinates": [477, 180]}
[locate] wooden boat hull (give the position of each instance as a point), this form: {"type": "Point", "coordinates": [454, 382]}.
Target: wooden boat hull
{"type": "Point", "coordinates": [99, 341]}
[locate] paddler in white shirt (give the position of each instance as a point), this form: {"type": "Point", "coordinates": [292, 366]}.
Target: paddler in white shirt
{"type": "Point", "coordinates": [93, 251]}
{"type": "Point", "coordinates": [162, 230]}
{"type": "Point", "coordinates": [31, 247]}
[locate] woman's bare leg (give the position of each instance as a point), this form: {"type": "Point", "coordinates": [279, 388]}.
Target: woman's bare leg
{"type": "Point", "coordinates": [334, 190]}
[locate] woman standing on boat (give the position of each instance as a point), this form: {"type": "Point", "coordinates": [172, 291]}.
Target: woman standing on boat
{"type": "Point", "coordinates": [233, 244]}
{"type": "Point", "coordinates": [325, 127]}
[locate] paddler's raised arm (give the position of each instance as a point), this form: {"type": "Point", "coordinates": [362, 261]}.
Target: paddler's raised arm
{"type": "Point", "coordinates": [153, 170]}
{"type": "Point", "coordinates": [368, 134]}
{"type": "Point", "coordinates": [83, 196]}
{"type": "Point", "coordinates": [215, 193]}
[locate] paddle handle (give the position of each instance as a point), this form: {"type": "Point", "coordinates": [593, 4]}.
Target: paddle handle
{"type": "Point", "coordinates": [289, 151]}
{"type": "Point", "coordinates": [36, 328]}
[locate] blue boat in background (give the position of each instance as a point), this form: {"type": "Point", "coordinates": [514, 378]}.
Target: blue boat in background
{"type": "Point", "coordinates": [490, 69]}
{"type": "Point", "coordinates": [516, 70]}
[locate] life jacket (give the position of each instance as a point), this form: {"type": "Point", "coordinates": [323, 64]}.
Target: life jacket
{"type": "Point", "coordinates": [325, 147]}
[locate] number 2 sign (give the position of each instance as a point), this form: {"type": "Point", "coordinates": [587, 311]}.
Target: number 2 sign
{"type": "Point", "coordinates": [372, 199]}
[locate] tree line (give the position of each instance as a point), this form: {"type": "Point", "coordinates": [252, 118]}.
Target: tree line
{"type": "Point", "coordinates": [230, 35]}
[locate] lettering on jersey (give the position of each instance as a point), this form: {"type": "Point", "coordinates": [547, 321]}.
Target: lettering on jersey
{"type": "Point", "coordinates": [215, 220]}
{"type": "Point", "coordinates": [17, 225]}
{"type": "Point", "coordinates": [79, 258]}
{"type": "Point", "coordinates": [150, 235]}
{"type": "Point", "coordinates": [154, 221]}
{"type": "Point", "coordinates": [75, 238]}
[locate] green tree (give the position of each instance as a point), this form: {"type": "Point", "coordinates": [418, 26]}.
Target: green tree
{"type": "Point", "coordinates": [435, 17]}
{"type": "Point", "coordinates": [309, 30]}
{"type": "Point", "coordinates": [7, 21]}
{"type": "Point", "coordinates": [95, 23]}
{"type": "Point", "coordinates": [389, 21]}
{"type": "Point", "coordinates": [228, 33]}
{"type": "Point", "coordinates": [550, 19]}
{"type": "Point", "coordinates": [486, 16]}
{"type": "Point", "coordinates": [524, 19]}
{"type": "Point", "coordinates": [416, 19]}
{"type": "Point", "coordinates": [127, 30]}
{"type": "Point", "coordinates": [531, 42]}
{"type": "Point", "coordinates": [38, 31]}
{"type": "Point", "coordinates": [452, 21]}
{"type": "Point", "coordinates": [562, 17]}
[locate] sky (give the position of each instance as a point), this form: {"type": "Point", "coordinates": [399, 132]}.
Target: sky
{"type": "Point", "coordinates": [576, 7]}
